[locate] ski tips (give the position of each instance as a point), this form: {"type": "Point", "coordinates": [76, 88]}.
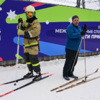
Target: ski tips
{"type": "Point", "coordinates": [53, 89]}
{"type": "Point", "coordinates": [6, 93]}
{"type": "Point", "coordinates": [45, 73]}
{"type": "Point", "coordinates": [59, 91]}
{"type": "Point", "coordinates": [1, 84]}
{"type": "Point", "coordinates": [97, 70]}
{"type": "Point", "coordinates": [51, 74]}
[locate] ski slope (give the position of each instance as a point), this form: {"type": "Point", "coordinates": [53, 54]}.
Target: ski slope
{"type": "Point", "coordinates": [89, 4]}
{"type": "Point", "coordinates": [41, 90]}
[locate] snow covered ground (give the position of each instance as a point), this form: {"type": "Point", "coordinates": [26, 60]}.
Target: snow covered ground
{"type": "Point", "coordinates": [41, 90]}
{"type": "Point", "coordinates": [89, 4]}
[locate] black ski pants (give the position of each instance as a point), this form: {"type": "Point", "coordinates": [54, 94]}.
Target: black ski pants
{"type": "Point", "coordinates": [70, 62]}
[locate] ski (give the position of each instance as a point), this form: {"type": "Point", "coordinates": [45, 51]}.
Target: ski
{"type": "Point", "coordinates": [27, 84]}
{"type": "Point", "coordinates": [74, 80]}
{"type": "Point", "coordinates": [20, 79]}
{"type": "Point", "coordinates": [79, 83]}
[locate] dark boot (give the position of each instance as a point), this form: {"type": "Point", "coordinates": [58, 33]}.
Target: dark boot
{"type": "Point", "coordinates": [28, 75]}
{"type": "Point", "coordinates": [73, 76]}
{"type": "Point", "coordinates": [66, 78]}
{"type": "Point", "coordinates": [37, 77]}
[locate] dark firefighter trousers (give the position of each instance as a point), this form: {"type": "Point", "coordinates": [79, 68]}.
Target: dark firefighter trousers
{"type": "Point", "coordinates": [32, 62]}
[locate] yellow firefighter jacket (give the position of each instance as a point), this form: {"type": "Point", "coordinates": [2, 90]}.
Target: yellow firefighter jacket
{"type": "Point", "coordinates": [32, 43]}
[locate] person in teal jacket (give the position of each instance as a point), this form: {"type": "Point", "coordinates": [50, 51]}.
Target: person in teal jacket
{"type": "Point", "coordinates": [74, 36]}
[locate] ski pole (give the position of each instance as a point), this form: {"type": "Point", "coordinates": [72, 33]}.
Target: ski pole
{"type": "Point", "coordinates": [76, 54]}
{"type": "Point", "coordinates": [84, 59]}
{"type": "Point", "coordinates": [18, 45]}
{"type": "Point", "coordinates": [17, 60]}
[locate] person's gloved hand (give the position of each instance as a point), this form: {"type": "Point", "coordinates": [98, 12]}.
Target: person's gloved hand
{"type": "Point", "coordinates": [20, 21]}
{"type": "Point", "coordinates": [82, 33]}
{"type": "Point", "coordinates": [84, 29]}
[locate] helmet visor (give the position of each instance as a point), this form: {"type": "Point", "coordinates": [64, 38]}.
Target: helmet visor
{"type": "Point", "coordinates": [29, 14]}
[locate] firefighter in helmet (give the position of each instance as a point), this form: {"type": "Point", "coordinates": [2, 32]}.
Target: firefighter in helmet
{"type": "Point", "coordinates": [31, 30]}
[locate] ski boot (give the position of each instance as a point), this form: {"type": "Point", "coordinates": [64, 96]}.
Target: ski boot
{"type": "Point", "coordinates": [37, 77]}
{"type": "Point", "coordinates": [66, 78]}
{"type": "Point", "coordinates": [73, 76]}
{"type": "Point", "coordinates": [28, 75]}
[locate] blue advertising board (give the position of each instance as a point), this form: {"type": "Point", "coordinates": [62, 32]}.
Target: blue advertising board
{"type": "Point", "coordinates": [54, 21]}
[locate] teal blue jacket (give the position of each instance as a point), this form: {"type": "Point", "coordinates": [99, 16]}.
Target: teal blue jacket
{"type": "Point", "coordinates": [73, 37]}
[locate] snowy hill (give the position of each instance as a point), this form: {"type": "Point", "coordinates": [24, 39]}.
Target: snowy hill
{"type": "Point", "coordinates": [41, 90]}
{"type": "Point", "coordinates": [89, 4]}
